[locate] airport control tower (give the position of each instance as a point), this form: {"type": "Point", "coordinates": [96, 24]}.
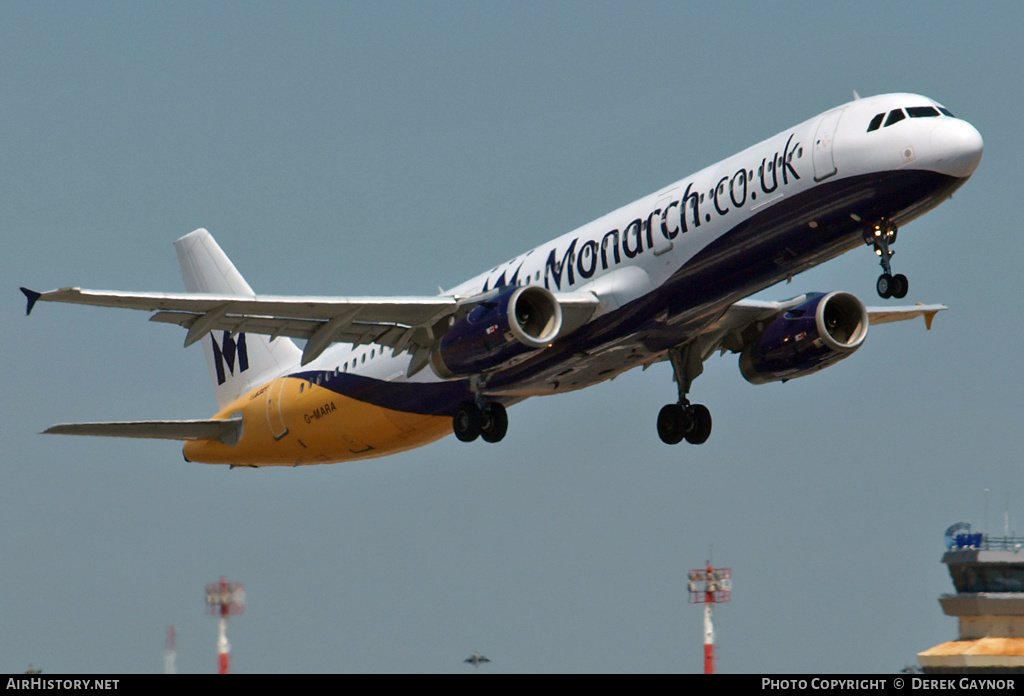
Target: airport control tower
{"type": "Point", "coordinates": [988, 574]}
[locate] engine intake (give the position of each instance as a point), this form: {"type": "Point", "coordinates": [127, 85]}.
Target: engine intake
{"type": "Point", "coordinates": [818, 333]}
{"type": "Point", "coordinates": [499, 332]}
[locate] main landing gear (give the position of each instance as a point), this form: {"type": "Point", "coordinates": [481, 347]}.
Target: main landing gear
{"type": "Point", "coordinates": [488, 421]}
{"type": "Point", "coordinates": [684, 420]}
{"type": "Point", "coordinates": [881, 236]}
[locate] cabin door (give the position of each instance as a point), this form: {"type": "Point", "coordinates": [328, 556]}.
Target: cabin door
{"type": "Point", "coordinates": [824, 163]}
{"type": "Point", "coordinates": [275, 415]}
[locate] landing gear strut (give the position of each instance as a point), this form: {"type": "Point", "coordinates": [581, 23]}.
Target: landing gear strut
{"type": "Point", "coordinates": [684, 420]}
{"type": "Point", "coordinates": [489, 421]}
{"type": "Point", "coordinates": [881, 236]}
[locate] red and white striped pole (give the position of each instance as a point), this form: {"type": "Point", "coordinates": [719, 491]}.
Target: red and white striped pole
{"type": "Point", "coordinates": [709, 586]}
{"type": "Point", "coordinates": [224, 599]}
{"type": "Point", "coordinates": [170, 652]}
{"type": "Point", "coordinates": [709, 641]}
{"type": "Point", "coordinates": [223, 648]}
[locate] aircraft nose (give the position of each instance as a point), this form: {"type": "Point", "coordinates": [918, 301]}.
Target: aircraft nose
{"type": "Point", "coordinates": [958, 146]}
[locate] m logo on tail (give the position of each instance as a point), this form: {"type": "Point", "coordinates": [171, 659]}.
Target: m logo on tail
{"type": "Point", "coordinates": [225, 354]}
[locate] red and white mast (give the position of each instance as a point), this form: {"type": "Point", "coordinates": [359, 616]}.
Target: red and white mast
{"type": "Point", "coordinates": [224, 599]}
{"type": "Point", "coordinates": [710, 586]}
{"type": "Point", "coordinates": [170, 652]}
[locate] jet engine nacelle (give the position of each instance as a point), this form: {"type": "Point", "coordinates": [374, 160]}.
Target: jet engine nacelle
{"type": "Point", "coordinates": [499, 331]}
{"type": "Point", "coordinates": [818, 333]}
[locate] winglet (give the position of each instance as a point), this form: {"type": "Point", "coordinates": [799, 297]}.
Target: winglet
{"type": "Point", "coordinates": [928, 318]}
{"type": "Point", "coordinates": [32, 296]}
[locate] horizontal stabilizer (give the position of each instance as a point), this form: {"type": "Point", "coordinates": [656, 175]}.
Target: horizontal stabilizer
{"type": "Point", "coordinates": [227, 431]}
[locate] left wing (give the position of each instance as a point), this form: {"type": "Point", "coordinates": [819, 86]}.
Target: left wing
{"type": "Point", "coordinates": [402, 323]}
{"type": "Point", "coordinates": [397, 322]}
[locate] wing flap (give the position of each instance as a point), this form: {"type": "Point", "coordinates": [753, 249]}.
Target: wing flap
{"type": "Point", "coordinates": [228, 431]}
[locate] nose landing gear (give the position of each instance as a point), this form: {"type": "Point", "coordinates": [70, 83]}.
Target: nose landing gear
{"type": "Point", "coordinates": [881, 236]}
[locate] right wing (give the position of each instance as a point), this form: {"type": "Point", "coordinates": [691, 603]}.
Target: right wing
{"type": "Point", "coordinates": [728, 332]}
{"type": "Point", "coordinates": [742, 320]}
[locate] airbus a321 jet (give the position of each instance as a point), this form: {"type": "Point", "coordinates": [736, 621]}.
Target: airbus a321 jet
{"type": "Point", "coordinates": [663, 278]}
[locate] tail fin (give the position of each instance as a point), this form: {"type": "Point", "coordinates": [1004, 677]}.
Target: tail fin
{"type": "Point", "coordinates": [237, 363]}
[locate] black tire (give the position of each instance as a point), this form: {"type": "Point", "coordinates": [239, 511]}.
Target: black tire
{"type": "Point", "coordinates": [884, 286]}
{"type": "Point", "coordinates": [495, 423]}
{"type": "Point", "coordinates": [900, 286]}
{"type": "Point", "coordinates": [672, 424]}
{"type": "Point", "coordinates": [468, 422]}
{"type": "Point", "coordinates": [700, 429]}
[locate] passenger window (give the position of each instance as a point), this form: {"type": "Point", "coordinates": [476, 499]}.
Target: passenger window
{"type": "Point", "coordinates": [922, 111]}
{"type": "Point", "coordinates": [876, 122]}
{"type": "Point", "coordinates": [895, 116]}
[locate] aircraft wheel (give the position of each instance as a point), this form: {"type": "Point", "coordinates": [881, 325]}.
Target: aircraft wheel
{"type": "Point", "coordinates": [884, 285]}
{"type": "Point", "coordinates": [900, 285]}
{"type": "Point", "coordinates": [672, 424]}
{"type": "Point", "coordinates": [468, 422]}
{"type": "Point", "coordinates": [495, 423]}
{"type": "Point", "coordinates": [700, 429]}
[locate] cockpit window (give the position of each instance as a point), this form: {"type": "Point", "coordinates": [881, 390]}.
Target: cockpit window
{"type": "Point", "coordinates": [895, 116]}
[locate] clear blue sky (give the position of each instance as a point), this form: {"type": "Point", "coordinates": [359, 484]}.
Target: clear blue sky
{"type": "Point", "coordinates": [389, 148]}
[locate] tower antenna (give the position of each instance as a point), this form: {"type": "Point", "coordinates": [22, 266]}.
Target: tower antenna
{"type": "Point", "coordinates": [710, 586]}
{"type": "Point", "coordinates": [224, 599]}
{"type": "Point", "coordinates": [170, 652]}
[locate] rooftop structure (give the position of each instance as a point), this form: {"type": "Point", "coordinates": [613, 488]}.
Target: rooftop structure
{"type": "Point", "coordinates": [988, 575]}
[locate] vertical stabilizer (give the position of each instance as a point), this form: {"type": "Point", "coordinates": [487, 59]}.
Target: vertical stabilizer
{"type": "Point", "coordinates": [240, 362]}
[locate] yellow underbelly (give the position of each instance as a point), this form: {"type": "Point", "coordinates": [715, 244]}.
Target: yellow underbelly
{"type": "Point", "coordinates": [290, 421]}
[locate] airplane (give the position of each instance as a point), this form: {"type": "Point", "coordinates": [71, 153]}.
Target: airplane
{"type": "Point", "coordinates": [664, 278]}
{"type": "Point", "coordinates": [476, 659]}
